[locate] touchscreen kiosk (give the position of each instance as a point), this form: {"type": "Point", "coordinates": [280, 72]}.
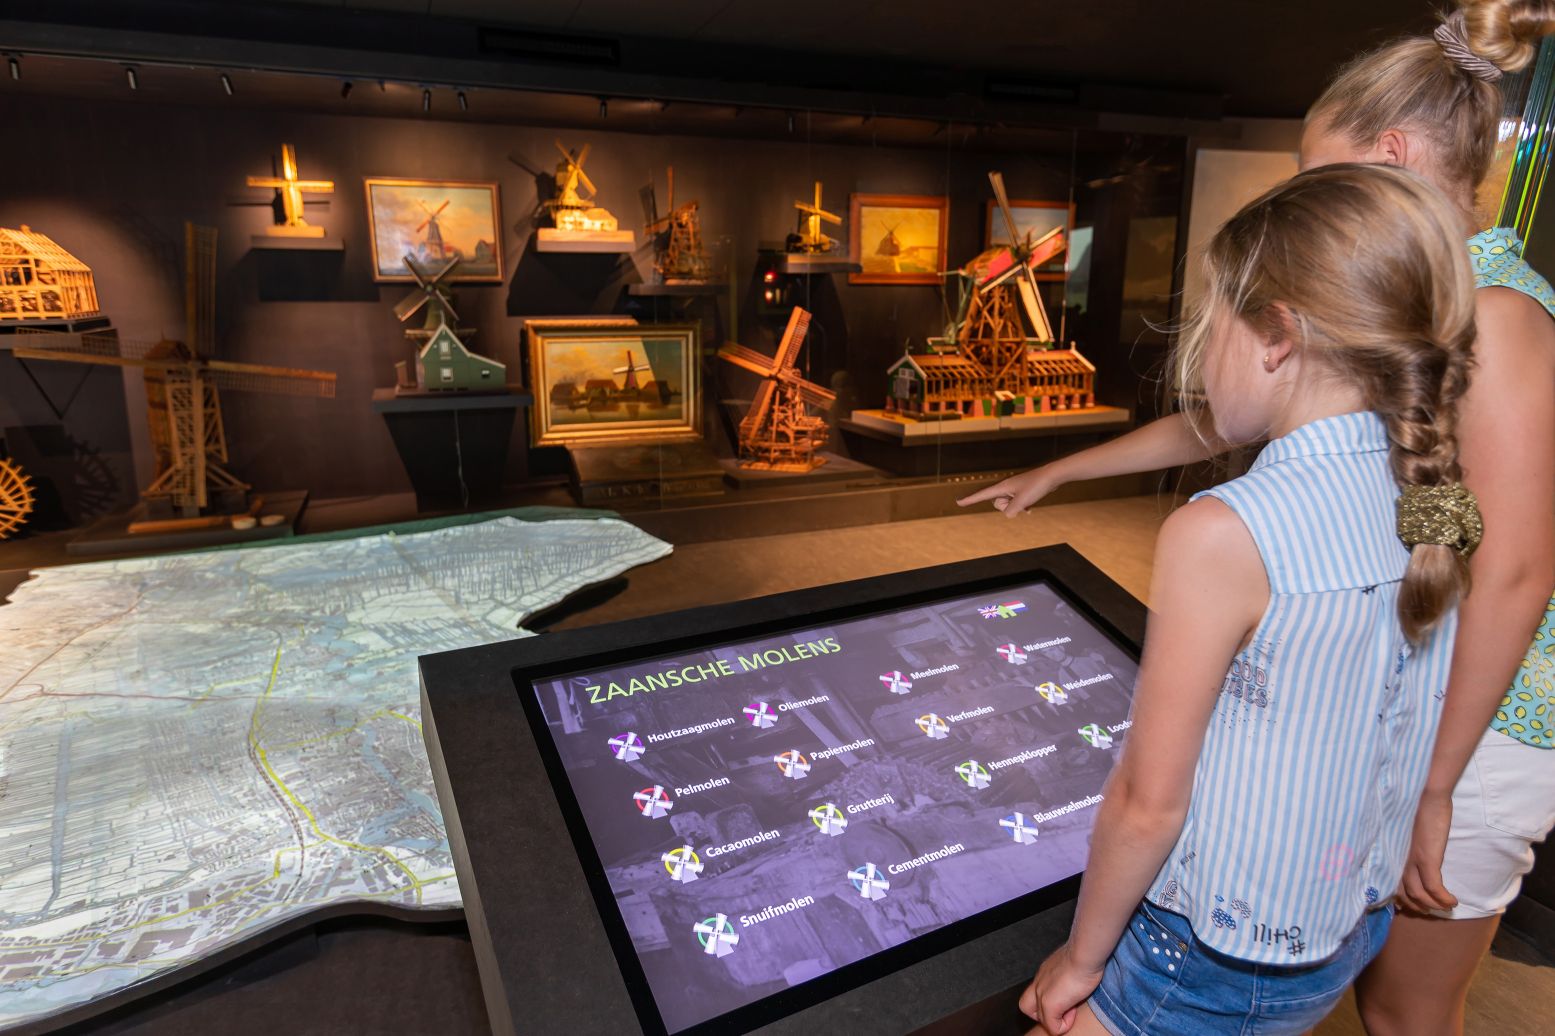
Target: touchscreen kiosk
{"type": "Point", "coordinates": [778, 803]}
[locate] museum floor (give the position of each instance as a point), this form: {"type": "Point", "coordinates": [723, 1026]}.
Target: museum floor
{"type": "Point", "coordinates": [367, 976]}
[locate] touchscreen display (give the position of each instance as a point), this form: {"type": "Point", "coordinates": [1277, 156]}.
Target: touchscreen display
{"type": "Point", "coordinates": [769, 811]}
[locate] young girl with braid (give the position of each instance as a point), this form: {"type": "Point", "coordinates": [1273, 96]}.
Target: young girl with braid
{"type": "Point", "coordinates": [1432, 105]}
{"type": "Point", "coordinates": [1253, 828]}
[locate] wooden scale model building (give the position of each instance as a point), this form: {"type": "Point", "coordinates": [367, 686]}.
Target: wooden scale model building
{"type": "Point", "coordinates": [679, 257]}
{"type": "Point", "coordinates": [440, 361]}
{"type": "Point", "coordinates": [16, 500]}
{"type": "Point", "coordinates": [778, 432]}
{"type": "Point", "coordinates": [578, 219]}
{"type": "Point", "coordinates": [996, 359]}
{"type": "Point", "coordinates": [43, 286]}
{"type": "Point", "coordinates": [183, 383]}
{"type": "Point", "coordinates": [291, 189]}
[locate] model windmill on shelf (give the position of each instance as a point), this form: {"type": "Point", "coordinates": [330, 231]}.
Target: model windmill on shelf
{"type": "Point", "coordinates": [440, 360]}
{"type": "Point", "coordinates": [580, 224]}
{"type": "Point", "coordinates": [997, 356]}
{"type": "Point", "coordinates": [16, 499]}
{"type": "Point", "coordinates": [291, 189]}
{"type": "Point", "coordinates": [183, 385]}
{"type": "Point", "coordinates": [677, 235]}
{"type": "Point", "coordinates": [779, 433]}
{"type": "Point", "coordinates": [810, 238]}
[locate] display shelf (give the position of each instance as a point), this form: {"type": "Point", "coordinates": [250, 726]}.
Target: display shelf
{"type": "Point", "coordinates": [804, 265]}
{"type": "Point", "coordinates": [882, 424]}
{"type": "Point", "coordinates": [549, 239]}
{"type": "Point", "coordinates": [111, 535]}
{"type": "Point", "coordinates": [836, 469]}
{"type": "Point", "coordinates": [389, 400]}
{"type": "Point", "coordinates": [675, 290]}
{"type": "Point", "coordinates": [275, 243]}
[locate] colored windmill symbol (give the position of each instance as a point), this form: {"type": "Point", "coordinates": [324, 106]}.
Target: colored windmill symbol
{"type": "Point", "coordinates": [1096, 736]}
{"type": "Point", "coordinates": [793, 764]}
{"type": "Point", "coordinates": [1012, 654]}
{"type": "Point", "coordinates": [1019, 828]}
{"type": "Point", "coordinates": [653, 802]}
{"type": "Point", "coordinates": [829, 819]}
{"type": "Point", "coordinates": [870, 881]}
{"type": "Point", "coordinates": [974, 774]}
{"type": "Point", "coordinates": [1053, 693]}
{"type": "Point", "coordinates": [896, 682]}
{"type": "Point", "coordinates": [717, 935]}
{"type": "Point", "coordinates": [760, 715]}
{"type": "Point", "coordinates": [932, 725]}
{"type": "Point", "coordinates": [683, 864]}
{"type": "Point", "coordinates": [627, 747]}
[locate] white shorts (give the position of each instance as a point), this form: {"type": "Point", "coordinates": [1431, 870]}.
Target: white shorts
{"type": "Point", "coordinates": [1503, 805]}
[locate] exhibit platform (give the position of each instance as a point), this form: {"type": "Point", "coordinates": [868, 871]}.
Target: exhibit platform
{"type": "Point", "coordinates": [834, 468]}
{"type": "Point", "coordinates": [112, 536]}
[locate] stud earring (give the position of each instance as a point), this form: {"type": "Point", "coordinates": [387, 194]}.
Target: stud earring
{"type": "Point", "coordinates": [1267, 365]}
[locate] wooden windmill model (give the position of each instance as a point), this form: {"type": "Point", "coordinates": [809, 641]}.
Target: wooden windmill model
{"type": "Point", "coordinates": [779, 433]}
{"type": "Point", "coordinates": [15, 497]}
{"type": "Point", "coordinates": [183, 383]}
{"type": "Point", "coordinates": [811, 216]}
{"type": "Point", "coordinates": [291, 190]}
{"type": "Point", "coordinates": [999, 300]}
{"type": "Point", "coordinates": [680, 258]}
{"type": "Point", "coordinates": [571, 208]}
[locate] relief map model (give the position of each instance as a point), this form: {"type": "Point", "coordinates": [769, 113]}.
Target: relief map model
{"type": "Point", "coordinates": [769, 811]}
{"type": "Point", "coordinates": [199, 747]}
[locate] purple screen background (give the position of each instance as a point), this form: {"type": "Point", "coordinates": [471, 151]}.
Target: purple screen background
{"type": "Point", "coordinates": [931, 806]}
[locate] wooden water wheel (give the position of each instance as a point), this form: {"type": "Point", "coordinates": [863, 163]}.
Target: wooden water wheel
{"type": "Point", "coordinates": [15, 497]}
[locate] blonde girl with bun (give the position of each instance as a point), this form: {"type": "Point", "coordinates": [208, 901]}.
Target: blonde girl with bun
{"type": "Point", "coordinates": [1432, 104]}
{"type": "Point", "coordinates": [1291, 679]}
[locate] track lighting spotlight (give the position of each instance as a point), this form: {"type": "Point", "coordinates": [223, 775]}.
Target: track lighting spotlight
{"type": "Point", "coordinates": [16, 67]}
{"type": "Point", "coordinates": [226, 83]}
{"type": "Point", "coordinates": [134, 81]}
{"type": "Point", "coordinates": [790, 122]}
{"type": "Point", "coordinates": [464, 104]}
{"type": "Point", "coordinates": [604, 107]}
{"type": "Point", "coordinates": [426, 99]}
{"type": "Point", "coordinates": [345, 89]}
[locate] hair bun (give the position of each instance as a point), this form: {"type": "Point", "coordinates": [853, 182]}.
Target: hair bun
{"type": "Point", "coordinates": [1503, 33]}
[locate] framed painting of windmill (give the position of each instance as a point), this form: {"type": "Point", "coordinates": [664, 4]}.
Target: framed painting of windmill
{"type": "Point", "coordinates": [613, 384]}
{"type": "Point", "coordinates": [898, 238]}
{"type": "Point", "coordinates": [432, 221]}
{"type": "Point", "coordinates": [1033, 219]}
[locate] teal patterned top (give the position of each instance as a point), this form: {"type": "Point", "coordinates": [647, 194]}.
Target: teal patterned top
{"type": "Point", "coordinates": [1526, 712]}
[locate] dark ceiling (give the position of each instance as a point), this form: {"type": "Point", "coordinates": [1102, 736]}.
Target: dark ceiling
{"type": "Point", "coordinates": [1195, 60]}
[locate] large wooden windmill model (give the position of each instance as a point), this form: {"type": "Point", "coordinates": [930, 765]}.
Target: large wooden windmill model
{"type": "Point", "coordinates": [571, 208]}
{"type": "Point", "coordinates": [680, 258]}
{"type": "Point", "coordinates": [779, 433]}
{"type": "Point", "coordinates": [183, 384]}
{"type": "Point", "coordinates": [999, 301]}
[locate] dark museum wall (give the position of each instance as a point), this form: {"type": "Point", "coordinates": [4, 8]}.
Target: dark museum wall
{"type": "Point", "coordinates": [114, 181]}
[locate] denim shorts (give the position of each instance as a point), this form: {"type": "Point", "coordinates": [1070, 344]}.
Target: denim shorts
{"type": "Point", "coordinates": [1161, 979]}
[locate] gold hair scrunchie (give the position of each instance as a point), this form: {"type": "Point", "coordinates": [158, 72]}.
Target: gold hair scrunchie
{"type": "Point", "coordinates": [1446, 515]}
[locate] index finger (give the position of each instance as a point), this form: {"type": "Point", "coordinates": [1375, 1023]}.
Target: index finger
{"type": "Point", "coordinates": [992, 492]}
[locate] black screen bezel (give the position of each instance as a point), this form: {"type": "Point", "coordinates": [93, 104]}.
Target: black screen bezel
{"type": "Point", "coordinates": [784, 1002]}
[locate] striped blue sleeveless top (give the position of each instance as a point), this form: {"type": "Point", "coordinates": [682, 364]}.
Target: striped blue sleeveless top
{"type": "Point", "coordinates": [1527, 712]}
{"type": "Point", "coordinates": [1317, 749]}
